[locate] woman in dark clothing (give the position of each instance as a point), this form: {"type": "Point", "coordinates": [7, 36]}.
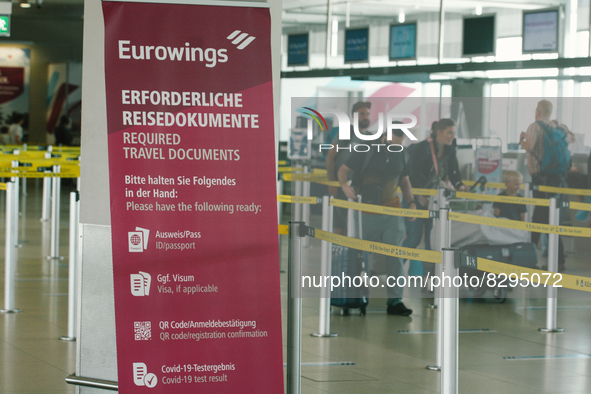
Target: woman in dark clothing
{"type": "Point", "coordinates": [433, 164]}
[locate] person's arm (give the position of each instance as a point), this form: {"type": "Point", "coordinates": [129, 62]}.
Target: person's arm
{"type": "Point", "coordinates": [522, 217]}
{"type": "Point", "coordinates": [330, 170]}
{"type": "Point", "coordinates": [528, 139]}
{"type": "Point", "coordinates": [343, 176]}
{"type": "Point", "coordinates": [497, 212]}
{"type": "Point", "coordinates": [454, 172]}
{"type": "Point", "coordinates": [406, 188]}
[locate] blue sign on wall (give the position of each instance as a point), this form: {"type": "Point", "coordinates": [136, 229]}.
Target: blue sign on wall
{"type": "Point", "coordinates": [403, 41]}
{"type": "Point", "coordinates": [297, 50]}
{"type": "Point", "coordinates": [356, 45]}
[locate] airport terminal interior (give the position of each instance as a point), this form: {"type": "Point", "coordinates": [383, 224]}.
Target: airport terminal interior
{"type": "Point", "coordinates": [491, 89]}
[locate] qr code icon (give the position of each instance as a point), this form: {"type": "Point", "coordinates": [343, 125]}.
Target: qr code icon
{"type": "Point", "coordinates": [143, 330]}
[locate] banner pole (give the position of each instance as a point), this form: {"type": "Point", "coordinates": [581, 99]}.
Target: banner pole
{"type": "Point", "coordinates": [9, 251]}
{"type": "Point", "coordinates": [306, 207]}
{"type": "Point", "coordinates": [73, 263]}
{"type": "Point", "coordinates": [46, 199]}
{"type": "Point", "coordinates": [325, 269]}
{"type": "Point", "coordinates": [450, 303]}
{"type": "Point", "coordinates": [553, 250]}
{"type": "Point", "coordinates": [294, 311]}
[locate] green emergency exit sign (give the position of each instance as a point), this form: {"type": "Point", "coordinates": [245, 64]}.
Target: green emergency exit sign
{"type": "Point", "coordinates": [5, 25]}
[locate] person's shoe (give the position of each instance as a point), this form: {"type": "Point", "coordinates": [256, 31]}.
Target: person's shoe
{"type": "Point", "coordinates": [399, 310]}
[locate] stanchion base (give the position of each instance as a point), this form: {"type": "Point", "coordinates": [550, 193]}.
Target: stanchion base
{"type": "Point", "coordinates": [432, 306]}
{"type": "Point", "coordinates": [54, 257]}
{"type": "Point", "coordinates": [11, 310]}
{"type": "Point", "coordinates": [66, 338]}
{"type": "Point", "coordinates": [319, 335]}
{"type": "Point", "coordinates": [551, 329]}
{"type": "Point", "coordinates": [433, 368]}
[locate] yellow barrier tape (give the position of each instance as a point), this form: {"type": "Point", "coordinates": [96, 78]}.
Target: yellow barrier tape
{"type": "Point", "coordinates": [2, 186]}
{"type": "Point", "coordinates": [543, 277]}
{"type": "Point", "coordinates": [580, 206]}
{"type": "Point", "coordinates": [564, 190]}
{"type": "Point", "coordinates": [319, 171]}
{"type": "Point", "coordinates": [515, 224]}
{"type": "Point", "coordinates": [423, 192]}
{"type": "Point", "coordinates": [297, 199]}
{"type": "Point", "coordinates": [411, 213]}
{"type": "Point", "coordinates": [489, 184]}
{"type": "Point", "coordinates": [377, 247]}
{"type": "Point", "coordinates": [282, 162]}
{"type": "Point", "coordinates": [283, 229]}
{"type": "Point", "coordinates": [507, 199]}
{"type": "Point", "coordinates": [289, 169]}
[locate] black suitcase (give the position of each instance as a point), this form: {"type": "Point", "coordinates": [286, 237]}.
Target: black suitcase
{"type": "Point", "coordinates": [349, 263]}
{"type": "Point", "coordinates": [522, 254]}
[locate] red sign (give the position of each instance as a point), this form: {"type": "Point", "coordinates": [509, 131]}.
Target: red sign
{"type": "Point", "coordinates": [193, 198]}
{"type": "Point", "coordinates": [12, 83]}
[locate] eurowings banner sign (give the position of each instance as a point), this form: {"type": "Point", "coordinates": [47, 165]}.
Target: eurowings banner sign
{"type": "Point", "coordinates": [193, 198]}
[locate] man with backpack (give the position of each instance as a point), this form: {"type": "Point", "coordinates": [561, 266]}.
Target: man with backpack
{"type": "Point", "coordinates": [548, 162]}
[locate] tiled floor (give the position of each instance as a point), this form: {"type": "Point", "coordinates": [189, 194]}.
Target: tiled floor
{"type": "Point", "coordinates": [512, 357]}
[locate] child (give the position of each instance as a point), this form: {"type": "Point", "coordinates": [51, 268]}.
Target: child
{"type": "Point", "coordinates": [513, 180]}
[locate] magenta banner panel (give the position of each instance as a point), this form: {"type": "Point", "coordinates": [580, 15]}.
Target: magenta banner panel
{"type": "Point", "coordinates": [193, 198]}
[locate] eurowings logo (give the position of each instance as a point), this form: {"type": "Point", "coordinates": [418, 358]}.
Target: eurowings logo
{"type": "Point", "coordinates": [345, 125]}
{"type": "Point", "coordinates": [317, 121]}
{"type": "Point", "coordinates": [239, 39]}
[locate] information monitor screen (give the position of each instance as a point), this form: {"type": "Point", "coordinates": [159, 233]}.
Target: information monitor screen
{"type": "Point", "coordinates": [478, 36]}
{"type": "Point", "coordinates": [356, 45]}
{"type": "Point", "coordinates": [540, 31]}
{"type": "Point", "coordinates": [403, 41]}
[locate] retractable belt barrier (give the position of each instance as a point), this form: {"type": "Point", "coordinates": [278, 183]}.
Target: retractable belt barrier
{"type": "Point", "coordinates": [506, 199]}
{"type": "Point", "coordinates": [545, 278]}
{"type": "Point", "coordinates": [519, 225]}
{"type": "Point", "coordinates": [415, 213]}
{"type": "Point", "coordinates": [562, 190]}
{"type": "Point", "coordinates": [298, 199]}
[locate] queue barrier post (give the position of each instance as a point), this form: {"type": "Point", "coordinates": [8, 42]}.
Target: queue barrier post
{"type": "Point", "coordinates": [279, 215]}
{"type": "Point", "coordinates": [325, 269]}
{"type": "Point", "coordinates": [55, 215]}
{"type": "Point", "coordinates": [297, 214]}
{"type": "Point", "coordinates": [73, 266]}
{"type": "Point", "coordinates": [294, 310]}
{"type": "Point", "coordinates": [527, 193]}
{"type": "Point", "coordinates": [443, 242]}
{"type": "Point", "coordinates": [306, 207]}
{"type": "Point", "coordinates": [553, 250]}
{"type": "Point", "coordinates": [10, 250]}
{"type": "Point", "coordinates": [450, 304]}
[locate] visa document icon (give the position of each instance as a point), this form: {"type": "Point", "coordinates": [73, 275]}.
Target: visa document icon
{"type": "Point", "coordinates": [140, 284]}
{"type": "Point", "coordinates": [138, 239]}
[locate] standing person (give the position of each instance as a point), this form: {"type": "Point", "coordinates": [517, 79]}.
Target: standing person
{"type": "Point", "coordinates": [339, 156]}
{"type": "Point", "coordinates": [378, 173]}
{"type": "Point", "coordinates": [548, 161]}
{"type": "Point", "coordinates": [15, 130]}
{"type": "Point", "coordinates": [63, 132]}
{"type": "Point", "coordinates": [434, 164]}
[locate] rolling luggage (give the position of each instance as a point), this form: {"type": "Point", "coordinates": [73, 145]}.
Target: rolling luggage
{"type": "Point", "coordinates": [522, 254]}
{"type": "Point", "coordinates": [347, 262]}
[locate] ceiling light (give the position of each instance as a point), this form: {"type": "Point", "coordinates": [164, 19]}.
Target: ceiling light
{"type": "Point", "coordinates": [478, 10]}
{"type": "Point", "coordinates": [25, 4]}
{"type": "Point", "coordinates": [401, 17]}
